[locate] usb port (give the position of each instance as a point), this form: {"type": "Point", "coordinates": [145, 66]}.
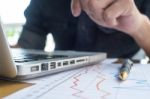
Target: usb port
{"type": "Point", "coordinates": [65, 63]}
{"type": "Point", "coordinates": [44, 66]}
{"type": "Point", "coordinates": [52, 65]}
{"type": "Point", "coordinates": [34, 68]}
{"type": "Point", "coordinates": [59, 64]}
{"type": "Point", "coordinates": [72, 62]}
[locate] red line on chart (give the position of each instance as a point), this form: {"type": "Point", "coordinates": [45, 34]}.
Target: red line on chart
{"type": "Point", "coordinates": [76, 80]}
{"type": "Point", "coordinates": [99, 89]}
{"type": "Point", "coordinates": [99, 83]}
{"type": "Point", "coordinates": [75, 85]}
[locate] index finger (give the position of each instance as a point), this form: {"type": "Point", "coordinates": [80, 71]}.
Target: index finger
{"type": "Point", "coordinates": [75, 7]}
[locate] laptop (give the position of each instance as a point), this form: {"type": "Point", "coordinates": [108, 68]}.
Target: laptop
{"type": "Point", "coordinates": [27, 63]}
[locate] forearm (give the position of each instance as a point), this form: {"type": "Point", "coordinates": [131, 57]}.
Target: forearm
{"type": "Point", "coordinates": [142, 35]}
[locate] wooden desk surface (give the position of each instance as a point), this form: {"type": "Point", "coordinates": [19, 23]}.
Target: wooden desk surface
{"type": "Point", "coordinates": [9, 87]}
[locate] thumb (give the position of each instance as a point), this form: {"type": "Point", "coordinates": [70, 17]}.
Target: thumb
{"type": "Point", "coordinates": [75, 8]}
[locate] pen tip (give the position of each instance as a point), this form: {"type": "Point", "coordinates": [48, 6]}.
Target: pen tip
{"type": "Point", "coordinates": [123, 75]}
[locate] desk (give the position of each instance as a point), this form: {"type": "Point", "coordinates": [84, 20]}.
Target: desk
{"type": "Point", "coordinates": [9, 87]}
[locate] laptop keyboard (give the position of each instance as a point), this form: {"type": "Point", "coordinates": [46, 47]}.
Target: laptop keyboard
{"type": "Point", "coordinates": [26, 57]}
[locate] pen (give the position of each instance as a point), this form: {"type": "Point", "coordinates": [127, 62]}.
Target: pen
{"type": "Point", "coordinates": [125, 69]}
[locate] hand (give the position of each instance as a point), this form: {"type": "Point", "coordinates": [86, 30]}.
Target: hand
{"type": "Point", "coordinates": [122, 15]}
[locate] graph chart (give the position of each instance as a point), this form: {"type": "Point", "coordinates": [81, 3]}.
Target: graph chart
{"type": "Point", "coordinates": [92, 82]}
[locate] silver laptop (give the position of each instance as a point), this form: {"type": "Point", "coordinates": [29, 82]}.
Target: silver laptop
{"type": "Point", "coordinates": [25, 64]}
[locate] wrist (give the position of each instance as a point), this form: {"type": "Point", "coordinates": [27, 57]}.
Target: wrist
{"type": "Point", "coordinates": [139, 33]}
{"type": "Point", "coordinates": [141, 36]}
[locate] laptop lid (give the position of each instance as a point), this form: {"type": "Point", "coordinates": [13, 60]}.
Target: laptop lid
{"type": "Point", "coordinates": [7, 65]}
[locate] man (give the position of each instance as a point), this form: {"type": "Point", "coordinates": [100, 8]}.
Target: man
{"type": "Point", "coordinates": [118, 27]}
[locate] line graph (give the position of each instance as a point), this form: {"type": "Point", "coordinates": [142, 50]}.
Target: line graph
{"type": "Point", "coordinates": [98, 85]}
{"type": "Point", "coordinates": [99, 79]}
{"type": "Point", "coordinates": [93, 82]}
{"type": "Point", "coordinates": [78, 91]}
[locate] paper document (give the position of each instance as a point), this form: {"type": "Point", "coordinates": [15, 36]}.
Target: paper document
{"type": "Point", "coordinates": [92, 82]}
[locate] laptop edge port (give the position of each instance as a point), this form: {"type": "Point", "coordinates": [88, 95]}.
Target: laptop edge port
{"type": "Point", "coordinates": [52, 65]}
{"type": "Point", "coordinates": [80, 60]}
{"type": "Point", "coordinates": [59, 64]}
{"type": "Point", "coordinates": [34, 68]}
{"type": "Point", "coordinates": [72, 61]}
{"type": "Point", "coordinates": [44, 66]}
{"type": "Point", "coordinates": [65, 63]}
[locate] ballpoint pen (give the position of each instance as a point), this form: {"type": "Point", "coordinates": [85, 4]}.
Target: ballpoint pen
{"type": "Point", "coordinates": [125, 69]}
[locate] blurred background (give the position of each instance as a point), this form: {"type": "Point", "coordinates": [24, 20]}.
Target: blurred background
{"type": "Point", "coordinates": [12, 17]}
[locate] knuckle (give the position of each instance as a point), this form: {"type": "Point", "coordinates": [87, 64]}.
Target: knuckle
{"type": "Point", "coordinates": [108, 14]}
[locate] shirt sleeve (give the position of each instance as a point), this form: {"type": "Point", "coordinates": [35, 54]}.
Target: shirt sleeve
{"type": "Point", "coordinates": [34, 34]}
{"type": "Point", "coordinates": [145, 7]}
{"type": "Point", "coordinates": [30, 40]}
